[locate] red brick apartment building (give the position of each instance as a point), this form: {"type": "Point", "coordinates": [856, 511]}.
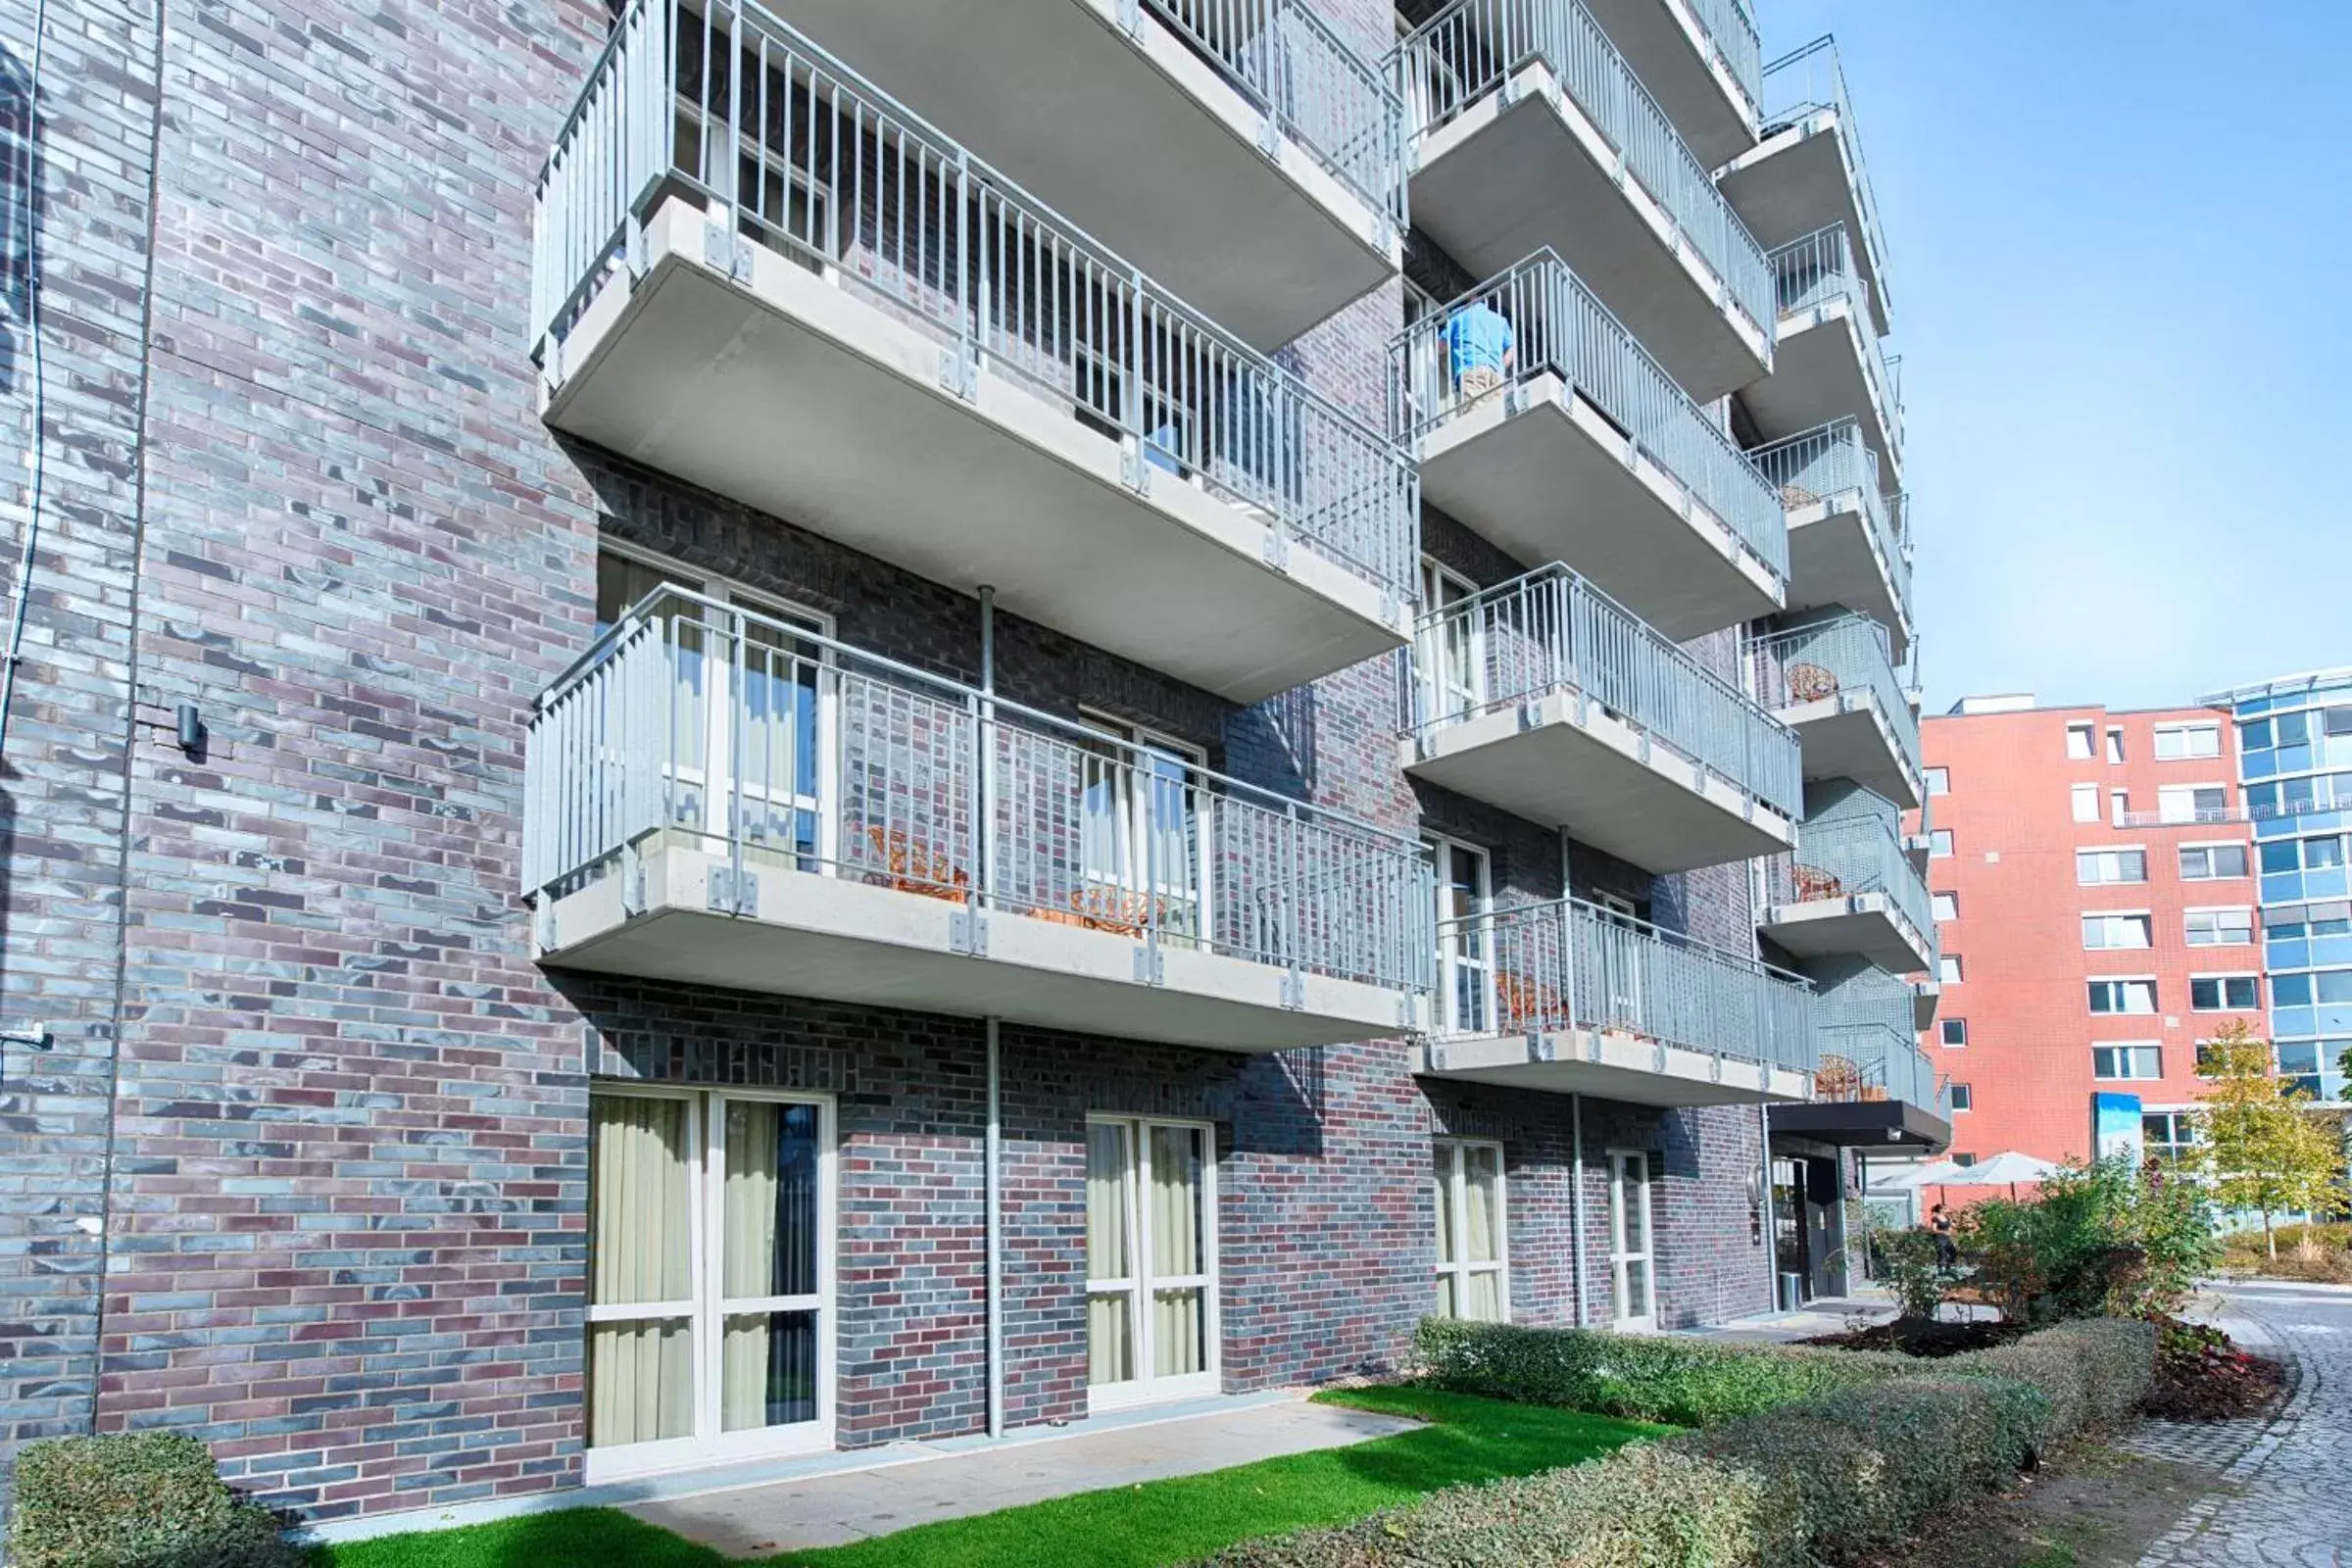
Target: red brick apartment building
{"type": "Point", "coordinates": [2093, 894]}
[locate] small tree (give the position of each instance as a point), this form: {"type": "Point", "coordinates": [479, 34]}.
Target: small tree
{"type": "Point", "coordinates": [2264, 1151]}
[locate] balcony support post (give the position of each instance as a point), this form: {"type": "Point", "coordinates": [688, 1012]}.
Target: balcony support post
{"type": "Point", "coordinates": [992, 1181]}
{"type": "Point", "coordinates": [984, 764]}
{"type": "Point", "coordinates": [1576, 1196]}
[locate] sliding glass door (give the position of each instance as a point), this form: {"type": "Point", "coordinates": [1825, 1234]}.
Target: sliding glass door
{"type": "Point", "coordinates": [1630, 1262]}
{"type": "Point", "coordinates": [709, 1261]}
{"type": "Point", "coordinates": [1151, 1260]}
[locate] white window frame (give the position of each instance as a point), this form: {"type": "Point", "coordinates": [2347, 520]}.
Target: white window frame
{"type": "Point", "coordinates": [1944, 906]}
{"type": "Point", "coordinates": [1136, 808]}
{"type": "Point", "coordinates": [1945, 1041]}
{"type": "Point", "coordinates": [1452, 955]}
{"type": "Point", "coordinates": [1144, 1387]}
{"type": "Point", "coordinates": [2220, 937]}
{"type": "Point", "coordinates": [2115, 745]}
{"type": "Point", "coordinates": [2168, 795]}
{"type": "Point", "coordinates": [2082, 802]}
{"type": "Point", "coordinates": [2155, 995]}
{"type": "Point", "coordinates": [1940, 846]}
{"type": "Point", "coordinates": [1938, 780]}
{"type": "Point", "coordinates": [2243, 846]}
{"type": "Point", "coordinates": [1442, 698]}
{"type": "Point", "coordinates": [1455, 1151]}
{"type": "Point", "coordinates": [2089, 737]}
{"type": "Point", "coordinates": [2184, 730]}
{"type": "Point", "coordinates": [1621, 1257]}
{"type": "Point", "coordinates": [1963, 1098]}
{"type": "Point", "coordinates": [1948, 969]}
{"type": "Point", "coordinates": [2104, 852]}
{"type": "Point", "coordinates": [2097, 1045]}
{"type": "Point", "coordinates": [2224, 976]}
{"type": "Point", "coordinates": [2146, 926]}
{"type": "Point", "coordinates": [709, 1308]}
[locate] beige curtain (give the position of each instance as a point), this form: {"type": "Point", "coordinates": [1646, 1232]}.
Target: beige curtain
{"type": "Point", "coordinates": [1441, 1170]}
{"type": "Point", "coordinates": [1176, 1316]}
{"type": "Point", "coordinates": [1110, 1354]}
{"type": "Point", "coordinates": [641, 1382]}
{"type": "Point", "coordinates": [1482, 1227]}
{"type": "Point", "coordinates": [747, 1259]}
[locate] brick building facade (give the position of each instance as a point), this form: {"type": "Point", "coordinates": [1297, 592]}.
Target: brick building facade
{"type": "Point", "coordinates": [295, 1126]}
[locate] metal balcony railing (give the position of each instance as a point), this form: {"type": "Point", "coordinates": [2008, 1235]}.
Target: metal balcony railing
{"type": "Point", "coordinates": [1873, 1062]}
{"type": "Point", "coordinates": [1733, 31]}
{"type": "Point", "coordinates": [1846, 655]}
{"type": "Point", "coordinates": [1814, 271]}
{"type": "Point", "coordinates": [1548, 968]}
{"type": "Point", "coordinates": [1808, 81]}
{"type": "Point", "coordinates": [1472, 47]}
{"type": "Point", "coordinates": [1559, 326]}
{"type": "Point", "coordinates": [1550, 630]}
{"type": "Point", "coordinates": [1832, 459]}
{"type": "Point", "coordinates": [1847, 855]}
{"type": "Point", "coordinates": [832, 173]}
{"type": "Point", "coordinates": [752, 738]}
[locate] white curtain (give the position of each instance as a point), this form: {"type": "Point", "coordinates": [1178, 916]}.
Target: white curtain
{"type": "Point", "coordinates": [1176, 1316]}
{"type": "Point", "coordinates": [767, 1240]}
{"type": "Point", "coordinates": [1110, 1355]}
{"type": "Point", "coordinates": [641, 1382]}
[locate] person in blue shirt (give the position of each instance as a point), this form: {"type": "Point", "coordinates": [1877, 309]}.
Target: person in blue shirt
{"type": "Point", "coordinates": [1480, 347]}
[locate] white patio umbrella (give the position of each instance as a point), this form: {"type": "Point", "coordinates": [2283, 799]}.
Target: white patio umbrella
{"type": "Point", "coordinates": [2005, 1169]}
{"type": "Point", "coordinates": [1934, 1172]}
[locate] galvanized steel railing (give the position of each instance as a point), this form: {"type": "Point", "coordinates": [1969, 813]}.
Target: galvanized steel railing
{"type": "Point", "coordinates": [1340, 108]}
{"type": "Point", "coordinates": [1846, 855]}
{"type": "Point", "coordinates": [1547, 967]}
{"type": "Point", "coordinates": [1733, 30]}
{"type": "Point", "coordinates": [1833, 657]}
{"type": "Point", "coordinates": [832, 173]}
{"type": "Point", "coordinates": [1833, 460]}
{"type": "Point", "coordinates": [1810, 81]}
{"type": "Point", "coordinates": [1550, 630]}
{"type": "Point", "coordinates": [1472, 47]}
{"type": "Point", "coordinates": [1872, 1061]}
{"type": "Point", "coordinates": [1818, 270]}
{"type": "Point", "coordinates": [1559, 326]}
{"type": "Point", "coordinates": [787, 752]}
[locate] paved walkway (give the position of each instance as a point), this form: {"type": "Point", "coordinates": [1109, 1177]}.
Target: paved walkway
{"type": "Point", "coordinates": [831, 1511]}
{"type": "Point", "coordinates": [2284, 1500]}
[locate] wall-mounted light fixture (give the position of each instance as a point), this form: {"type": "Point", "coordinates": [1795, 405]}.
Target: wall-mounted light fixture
{"type": "Point", "coordinates": [191, 735]}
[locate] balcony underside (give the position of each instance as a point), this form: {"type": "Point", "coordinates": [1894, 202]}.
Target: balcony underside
{"type": "Point", "coordinates": [795, 396]}
{"type": "Point", "coordinates": [840, 940]}
{"type": "Point", "coordinates": [1864, 924]}
{"type": "Point", "coordinates": [1600, 779]}
{"type": "Point", "coordinates": [1872, 1126]}
{"type": "Point", "coordinates": [1136, 140]}
{"type": "Point", "coordinates": [1799, 182]}
{"type": "Point", "coordinates": [1667, 51]}
{"type": "Point", "coordinates": [1846, 736]}
{"type": "Point", "coordinates": [1926, 995]}
{"type": "Point", "coordinates": [1817, 377]}
{"type": "Point", "coordinates": [1836, 559]}
{"type": "Point", "coordinates": [1497, 183]}
{"type": "Point", "coordinates": [1610, 1066]}
{"type": "Point", "coordinates": [1546, 475]}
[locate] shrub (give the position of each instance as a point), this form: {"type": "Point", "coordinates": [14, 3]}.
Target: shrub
{"type": "Point", "coordinates": [1686, 1382]}
{"type": "Point", "coordinates": [2108, 1238]}
{"type": "Point", "coordinates": [1644, 1506]}
{"type": "Point", "coordinates": [1914, 1271]}
{"type": "Point", "coordinates": [149, 1499]}
{"type": "Point", "coordinates": [2094, 1372]}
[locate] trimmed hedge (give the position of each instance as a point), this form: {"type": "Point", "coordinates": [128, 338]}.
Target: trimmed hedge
{"type": "Point", "coordinates": [1855, 1459]}
{"type": "Point", "coordinates": [1640, 1377]}
{"type": "Point", "coordinates": [147, 1500]}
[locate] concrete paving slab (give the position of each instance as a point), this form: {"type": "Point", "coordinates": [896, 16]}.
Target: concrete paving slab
{"type": "Point", "coordinates": [830, 1510]}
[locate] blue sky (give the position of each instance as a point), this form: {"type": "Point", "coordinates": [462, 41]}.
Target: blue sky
{"type": "Point", "coordinates": [2122, 264]}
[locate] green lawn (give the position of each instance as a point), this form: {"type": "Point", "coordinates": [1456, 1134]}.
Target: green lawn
{"type": "Point", "coordinates": [1135, 1527]}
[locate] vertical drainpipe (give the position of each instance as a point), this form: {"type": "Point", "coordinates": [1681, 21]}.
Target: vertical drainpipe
{"type": "Point", "coordinates": [1770, 1238]}
{"type": "Point", "coordinates": [1576, 1114]}
{"type": "Point", "coordinates": [991, 1179]}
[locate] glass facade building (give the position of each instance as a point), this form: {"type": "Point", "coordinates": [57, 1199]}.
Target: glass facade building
{"type": "Point", "coordinates": [2295, 764]}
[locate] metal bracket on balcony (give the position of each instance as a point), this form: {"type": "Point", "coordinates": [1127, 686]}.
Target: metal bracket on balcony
{"type": "Point", "coordinates": [1436, 1055]}
{"type": "Point", "coordinates": [1642, 753]}
{"type": "Point", "coordinates": [1134, 473]}
{"type": "Point", "coordinates": [1541, 1047]}
{"type": "Point", "coordinates": [1270, 138]}
{"type": "Point", "coordinates": [1131, 17]}
{"type": "Point", "coordinates": [727, 251]}
{"type": "Point", "coordinates": [733, 892]}
{"type": "Point", "coordinates": [551, 361]}
{"type": "Point", "coordinates": [960, 372]}
{"type": "Point", "coordinates": [1389, 607]}
{"type": "Point", "coordinates": [1149, 967]}
{"type": "Point", "coordinates": [1531, 714]}
{"type": "Point", "coordinates": [1593, 1043]}
{"type": "Point", "coordinates": [1404, 1016]}
{"type": "Point", "coordinates": [1293, 990]}
{"type": "Point", "coordinates": [1658, 1054]}
{"type": "Point", "coordinates": [1715, 1068]}
{"type": "Point", "coordinates": [1514, 401]}
{"type": "Point", "coordinates": [632, 247]}
{"type": "Point", "coordinates": [1277, 548]}
{"type": "Point", "coordinates": [543, 923]}
{"type": "Point", "coordinates": [967, 933]}
{"type": "Point", "coordinates": [1512, 90]}
{"type": "Point", "coordinates": [1383, 230]}
{"type": "Point", "coordinates": [632, 881]}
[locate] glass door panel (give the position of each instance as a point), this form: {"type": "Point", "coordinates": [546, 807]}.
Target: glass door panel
{"type": "Point", "coordinates": [770, 1211]}
{"type": "Point", "coordinates": [1151, 1249]}
{"type": "Point", "coordinates": [1630, 1257]}
{"type": "Point", "coordinates": [641, 1337]}
{"type": "Point", "coordinates": [1109, 1254]}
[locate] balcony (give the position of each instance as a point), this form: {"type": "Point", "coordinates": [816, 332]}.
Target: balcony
{"type": "Point", "coordinates": [1670, 520]}
{"type": "Point", "coordinates": [1530, 135]}
{"type": "Point", "coordinates": [1240, 151]}
{"type": "Point", "coordinates": [1847, 888]}
{"type": "Point", "coordinates": [1807, 174]}
{"type": "Point", "coordinates": [1834, 684]}
{"type": "Point", "coordinates": [1927, 995]}
{"type": "Point", "coordinates": [1702, 60]}
{"type": "Point", "coordinates": [868, 332]}
{"type": "Point", "coordinates": [1830, 366]}
{"type": "Point", "coordinates": [1875, 1090]}
{"type": "Point", "coordinates": [1848, 540]}
{"type": "Point", "coordinates": [719, 798]}
{"type": "Point", "coordinates": [1546, 698]}
{"type": "Point", "coordinates": [1567, 998]}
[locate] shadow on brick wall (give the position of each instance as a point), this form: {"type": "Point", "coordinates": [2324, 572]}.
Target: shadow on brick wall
{"type": "Point", "coordinates": [19, 208]}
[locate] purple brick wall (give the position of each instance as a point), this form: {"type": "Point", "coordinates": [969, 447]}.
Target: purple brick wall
{"type": "Point", "coordinates": [344, 1234]}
